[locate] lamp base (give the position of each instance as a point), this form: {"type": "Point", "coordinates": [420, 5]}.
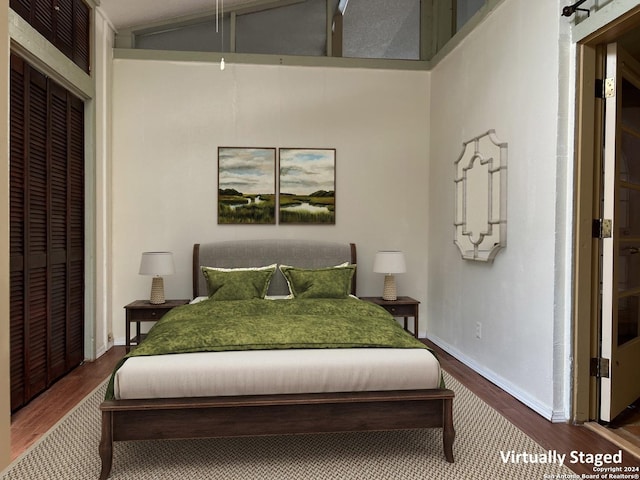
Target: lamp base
{"type": "Point", "coordinates": [157, 291]}
{"type": "Point", "coordinates": [389, 290]}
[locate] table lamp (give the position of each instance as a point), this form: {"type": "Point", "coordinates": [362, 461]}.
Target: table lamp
{"type": "Point", "coordinates": [157, 264]}
{"type": "Point", "coordinates": [389, 262]}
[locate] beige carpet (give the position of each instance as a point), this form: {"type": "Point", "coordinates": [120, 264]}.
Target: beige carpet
{"type": "Point", "coordinates": [69, 451]}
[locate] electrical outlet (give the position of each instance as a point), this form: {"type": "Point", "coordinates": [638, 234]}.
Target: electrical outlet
{"type": "Point", "coordinates": [478, 330]}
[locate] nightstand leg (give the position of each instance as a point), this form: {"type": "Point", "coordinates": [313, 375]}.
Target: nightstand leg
{"type": "Point", "coordinates": [127, 336]}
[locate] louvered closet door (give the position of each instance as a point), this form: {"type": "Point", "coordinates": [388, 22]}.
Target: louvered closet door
{"type": "Point", "coordinates": [36, 244]}
{"type": "Point", "coordinates": [65, 23]}
{"type": "Point", "coordinates": [47, 232]}
{"type": "Point", "coordinates": [82, 34]}
{"type": "Point", "coordinates": [42, 17]}
{"type": "Point", "coordinates": [71, 30]}
{"type": "Point", "coordinates": [17, 231]}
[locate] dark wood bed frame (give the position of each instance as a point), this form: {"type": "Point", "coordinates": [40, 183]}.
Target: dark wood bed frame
{"type": "Point", "coordinates": [233, 416]}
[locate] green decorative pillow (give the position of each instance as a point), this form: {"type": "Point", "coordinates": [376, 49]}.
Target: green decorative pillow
{"type": "Point", "coordinates": [331, 282]}
{"type": "Point", "coordinates": [238, 283]}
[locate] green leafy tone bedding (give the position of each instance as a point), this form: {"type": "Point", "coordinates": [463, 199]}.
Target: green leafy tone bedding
{"type": "Point", "coordinates": [273, 324]}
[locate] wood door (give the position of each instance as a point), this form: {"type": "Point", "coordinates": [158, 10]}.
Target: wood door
{"type": "Point", "coordinates": [620, 328]}
{"type": "Point", "coordinates": [46, 231]}
{"type": "Point", "coordinates": [65, 23]}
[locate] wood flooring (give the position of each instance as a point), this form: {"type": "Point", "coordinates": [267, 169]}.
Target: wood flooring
{"type": "Point", "coordinates": [627, 424]}
{"type": "Point", "coordinates": [33, 420]}
{"type": "Point", "coordinates": [562, 437]}
{"type": "Point", "coordinates": [30, 422]}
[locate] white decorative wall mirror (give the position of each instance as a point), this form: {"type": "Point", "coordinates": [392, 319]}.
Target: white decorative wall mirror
{"type": "Point", "coordinates": [481, 198]}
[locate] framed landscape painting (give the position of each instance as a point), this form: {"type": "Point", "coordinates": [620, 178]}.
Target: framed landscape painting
{"type": "Point", "coordinates": [307, 186]}
{"type": "Point", "coordinates": [246, 185]}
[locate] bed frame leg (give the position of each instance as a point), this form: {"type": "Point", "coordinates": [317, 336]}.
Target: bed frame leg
{"type": "Point", "coordinates": [448, 433]}
{"type": "Point", "coordinates": [106, 445]}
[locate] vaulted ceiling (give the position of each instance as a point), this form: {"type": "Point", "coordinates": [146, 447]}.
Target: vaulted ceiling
{"type": "Point", "coordinates": [127, 13]}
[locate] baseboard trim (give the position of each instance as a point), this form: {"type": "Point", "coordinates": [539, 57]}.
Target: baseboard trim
{"type": "Point", "coordinates": [524, 397]}
{"type": "Point", "coordinates": [101, 351]}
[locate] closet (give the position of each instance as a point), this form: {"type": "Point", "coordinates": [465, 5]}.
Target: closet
{"type": "Point", "coordinates": [46, 231]}
{"type": "Point", "coordinates": [65, 23]}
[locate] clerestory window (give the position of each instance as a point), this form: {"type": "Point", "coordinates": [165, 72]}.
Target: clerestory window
{"type": "Point", "coordinates": [369, 29]}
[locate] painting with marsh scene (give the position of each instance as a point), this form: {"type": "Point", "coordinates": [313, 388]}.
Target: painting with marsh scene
{"type": "Point", "coordinates": [246, 185]}
{"type": "Point", "coordinates": [307, 186]}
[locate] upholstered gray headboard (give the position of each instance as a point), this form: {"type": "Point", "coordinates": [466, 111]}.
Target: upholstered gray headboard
{"type": "Point", "coordinates": [258, 253]}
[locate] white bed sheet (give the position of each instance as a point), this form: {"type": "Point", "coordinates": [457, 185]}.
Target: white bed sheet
{"type": "Point", "coordinates": [264, 372]}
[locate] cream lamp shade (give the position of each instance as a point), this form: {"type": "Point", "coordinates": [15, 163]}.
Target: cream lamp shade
{"type": "Point", "coordinates": [157, 264]}
{"type": "Point", "coordinates": [389, 262]}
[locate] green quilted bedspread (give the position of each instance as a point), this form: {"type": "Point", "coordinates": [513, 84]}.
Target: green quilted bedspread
{"type": "Point", "coordinates": [211, 326]}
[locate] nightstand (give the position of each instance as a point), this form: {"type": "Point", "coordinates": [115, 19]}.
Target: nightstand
{"type": "Point", "coordinates": [402, 307]}
{"type": "Point", "coordinates": [145, 311]}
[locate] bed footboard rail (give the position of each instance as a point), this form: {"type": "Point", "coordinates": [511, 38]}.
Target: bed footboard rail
{"type": "Point", "coordinates": [208, 417]}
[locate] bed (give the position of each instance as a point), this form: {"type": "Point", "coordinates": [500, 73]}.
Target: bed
{"type": "Point", "coordinates": [276, 405]}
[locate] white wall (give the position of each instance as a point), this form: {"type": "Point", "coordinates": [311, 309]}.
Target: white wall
{"type": "Point", "coordinates": [169, 118]}
{"type": "Point", "coordinates": [504, 76]}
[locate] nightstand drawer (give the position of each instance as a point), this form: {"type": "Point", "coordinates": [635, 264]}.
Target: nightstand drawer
{"type": "Point", "coordinates": [401, 307]}
{"type": "Point", "coordinates": [401, 310]}
{"type": "Point", "coordinates": [144, 311]}
{"type": "Point", "coordinates": [148, 314]}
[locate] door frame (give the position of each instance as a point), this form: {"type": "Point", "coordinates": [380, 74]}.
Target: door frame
{"type": "Point", "coordinates": [590, 53]}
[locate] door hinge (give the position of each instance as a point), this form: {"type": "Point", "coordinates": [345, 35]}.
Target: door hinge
{"type": "Point", "coordinates": [605, 88]}
{"type": "Point", "coordinates": [599, 367]}
{"type": "Point", "coordinates": [601, 228]}
{"type": "Point", "coordinates": [609, 87]}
